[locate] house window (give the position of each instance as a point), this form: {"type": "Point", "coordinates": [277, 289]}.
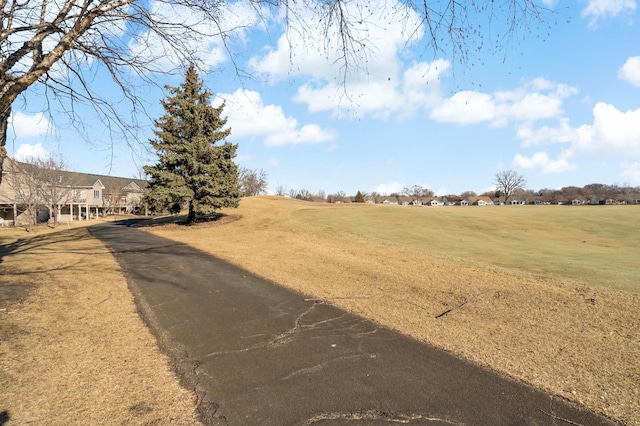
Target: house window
{"type": "Point", "coordinates": [96, 194]}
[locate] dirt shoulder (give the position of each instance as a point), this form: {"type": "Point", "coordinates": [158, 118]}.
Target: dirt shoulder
{"type": "Point", "coordinates": [73, 349]}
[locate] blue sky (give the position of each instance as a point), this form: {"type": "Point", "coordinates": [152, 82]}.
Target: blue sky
{"type": "Point", "coordinates": [560, 105]}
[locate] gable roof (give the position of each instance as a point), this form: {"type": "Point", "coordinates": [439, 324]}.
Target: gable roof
{"type": "Point", "coordinates": [89, 180]}
{"type": "Point", "coordinates": [108, 182]}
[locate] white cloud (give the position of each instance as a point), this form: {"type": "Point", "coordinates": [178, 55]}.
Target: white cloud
{"type": "Point", "coordinates": [597, 9]}
{"type": "Point", "coordinates": [389, 188]}
{"type": "Point", "coordinates": [541, 160]}
{"type": "Point", "coordinates": [373, 83]}
{"type": "Point", "coordinates": [464, 108]}
{"type": "Point", "coordinates": [308, 134]}
{"type": "Point", "coordinates": [613, 133]}
{"type": "Point", "coordinates": [564, 133]}
{"type": "Point", "coordinates": [314, 48]}
{"type": "Point", "coordinates": [527, 107]}
{"type": "Point", "coordinates": [537, 99]}
{"type": "Point", "coordinates": [249, 116]}
{"type": "Point", "coordinates": [421, 83]}
{"type": "Point", "coordinates": [231, 24]}
{"type": "Point", "coordinates": [630, 71]}
{"type": "Point", "coordinates": [365, 98]}
{"type": "Point", "coordinates": [417, 89]}
{"type": "Point", "coordinates": [28, 126]}
{"type": "Point", "coordinates": [26, 152]}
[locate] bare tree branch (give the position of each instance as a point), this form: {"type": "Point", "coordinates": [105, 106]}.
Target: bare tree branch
{"type": "Point", "coordinates": [61, 45]}
{"type": "Point", "coordinates": [507, 182]}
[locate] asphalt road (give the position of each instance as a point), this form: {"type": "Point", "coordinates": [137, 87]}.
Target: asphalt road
{"type": "Point", "coordinates": [259, 354]}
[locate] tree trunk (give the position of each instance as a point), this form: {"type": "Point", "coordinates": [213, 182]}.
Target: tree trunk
{"type": "Point", "coordinates": [4, 121]}
{"type": "Point", "coordinates": [192, 213]}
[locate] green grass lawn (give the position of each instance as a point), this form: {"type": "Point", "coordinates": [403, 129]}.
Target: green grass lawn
{"type": "Point", "coordinates": [595, 245]}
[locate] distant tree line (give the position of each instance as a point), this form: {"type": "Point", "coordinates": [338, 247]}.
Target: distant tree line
{"type": "Point", "coordinates": [509, 186]}
{"type": "Point", "coordinates": [594, 193]}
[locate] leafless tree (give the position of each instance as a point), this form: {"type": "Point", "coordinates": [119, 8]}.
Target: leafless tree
{"type": "Point", "coordinates": [526, 195]}
{"type": "Point", "coordinates": [507, 182]}
{"type": "Point", "coordinates": [60, 46]}
{"type": "Point", "coordinates": [304, 194]}
{"type": "Point", "coordinates": [595, 192]}
{"type": "Point", "coordinates": [613, 191]}
{"type": "Point", "coordinates": [550, 196]}
{"type": "Point", "coordinates": [252, 182]}
{"type": "Point", "coordinates": [627, 192]}
{"type": "Point", "coordinates": [338, 197]}
{"type": "Point", "coordinates": [281, 190]}
{"type": "Point", "coordinates": [571, 192]}
{"type": "Point", "coordinates": [467, 194]}
{"type": "Point", "coordinates": [56, 184]}
{"type": "Point", "coordinates": [417, 193]}
{"type": "Point", "coordinates": [41, 182]}
{"type": "Point", "coordinates": [112, 199]}
{"type": "Point", "coordinates": [25, 184]}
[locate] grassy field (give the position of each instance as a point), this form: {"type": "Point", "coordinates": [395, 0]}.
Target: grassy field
{"type": "Point", "coordinates": [597, 246]}
{"type": "Point", "coordinates": [548, 295]}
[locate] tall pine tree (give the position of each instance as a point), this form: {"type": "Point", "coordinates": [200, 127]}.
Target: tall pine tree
{"type": "Point", "coordinates": [195, 162]}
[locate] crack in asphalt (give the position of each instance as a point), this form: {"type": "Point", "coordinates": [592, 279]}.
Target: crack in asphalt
{"type": "Point", "coordinates": [283, 337]}
{"type": "Point", "coordinates": [378, 416]}
{"type": "Point", "coordinates": [298, 326]}
{"type": "Point", "coordinates": [320, 366]}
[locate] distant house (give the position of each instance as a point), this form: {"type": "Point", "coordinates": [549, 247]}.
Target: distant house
{"type": "Point", "coordinates": [451, 201]}
{"type": "Point", "coordinates": [83, 196]}
{"type": "Point", "coordinates": [482, 200]}
{"type": "Point", "coordinates": [577, 202]}
{"type": "Point", "coordinates": [515, 202]}
{"type": "Point", "coordinates": [615, 201]}
{"type": "Point", "coordinates": [403, 200]}
{"type": "Point", "coordinates": [434, 202]}
{"type": "Point", "coordinates": [388, 200]}
{"type": "Point", "coordinates": [594, 201]}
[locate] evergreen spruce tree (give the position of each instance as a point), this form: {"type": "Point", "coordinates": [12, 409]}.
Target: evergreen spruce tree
{"type": "Point", "coordinates": [195, 162]}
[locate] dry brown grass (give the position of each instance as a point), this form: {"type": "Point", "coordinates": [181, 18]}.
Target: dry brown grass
{"type": "Point", "coordinates": [559, 335]}
{"type": "Point", "coordinates": [73, 349]}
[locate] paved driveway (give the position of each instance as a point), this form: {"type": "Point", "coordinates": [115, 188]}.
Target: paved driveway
{"type": "Point", "coordinates": [258, 354]}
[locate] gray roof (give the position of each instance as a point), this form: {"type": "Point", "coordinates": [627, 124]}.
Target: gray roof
{"type": "Point", "coordinates": [89, 179]}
